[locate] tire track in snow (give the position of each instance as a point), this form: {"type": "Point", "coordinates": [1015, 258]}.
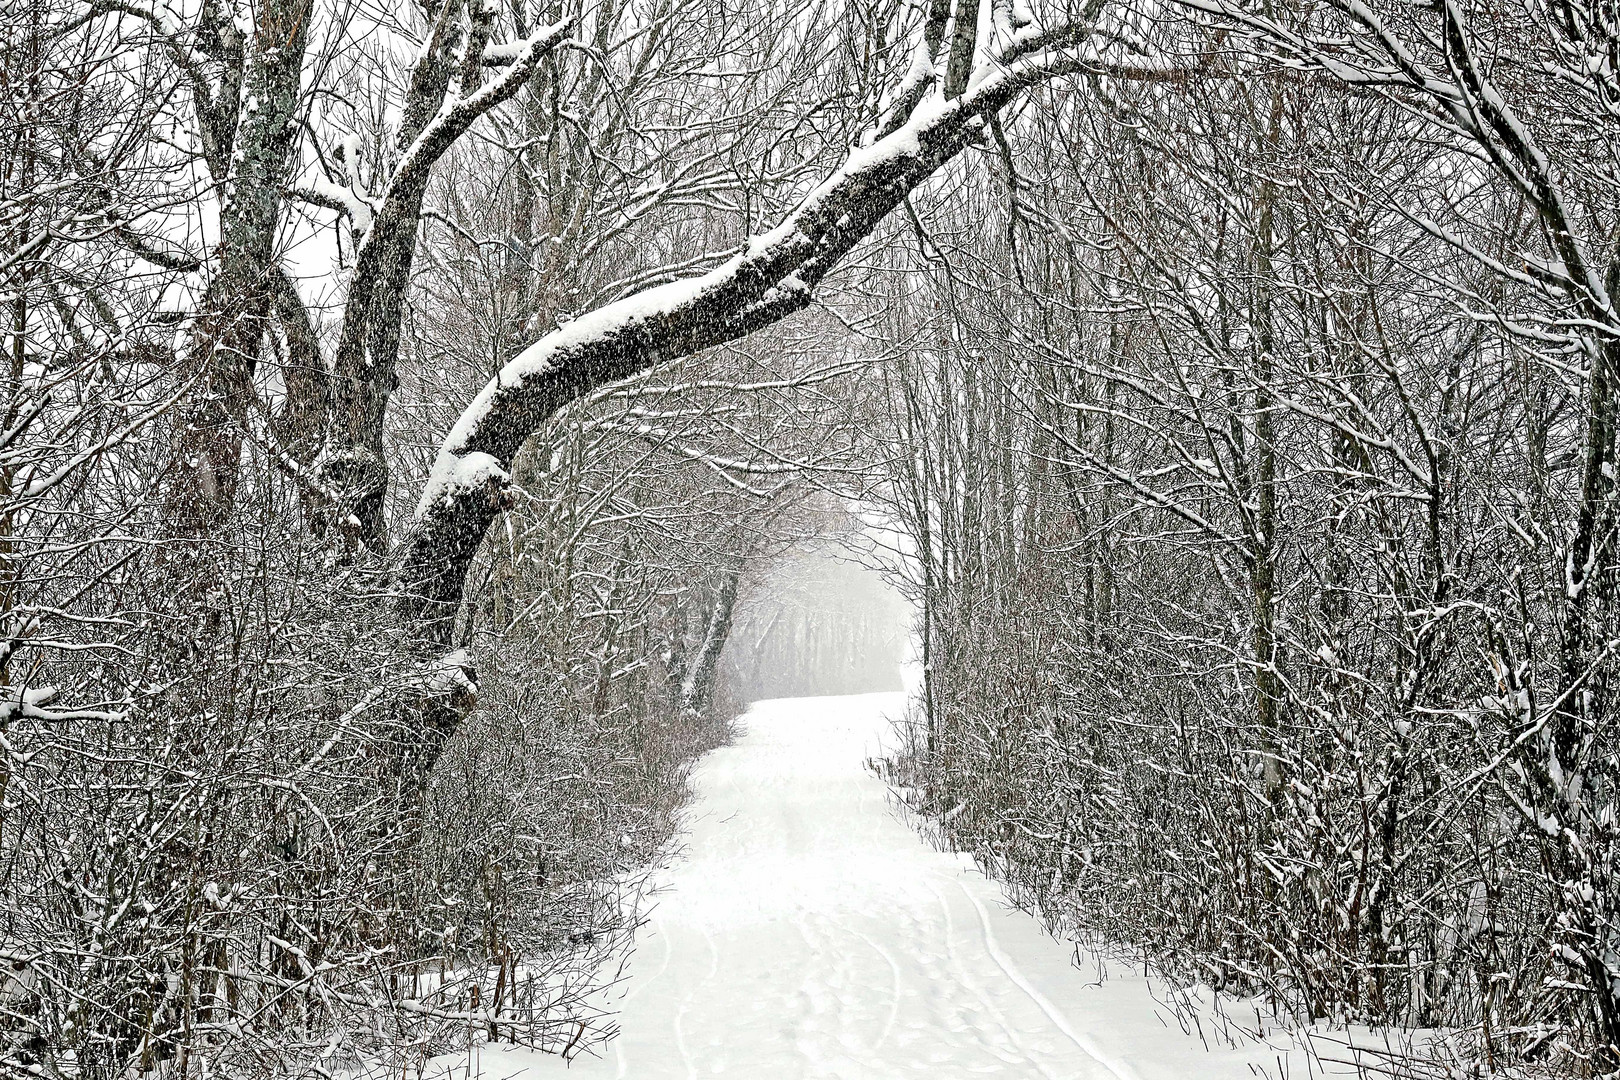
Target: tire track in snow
{"type": "Point", "coordinates": [622, 1066]}
{"type": "Point", "coordinates": [1118, 1069]}
{"type": "Point", "coordinates": [971, 985]}
{"type": "Point", "coordinates": [690, 990]}
{"type": "Point", "coordinates": [895, 983]}
{"type": "Point", "coordinates": [803, 1031]}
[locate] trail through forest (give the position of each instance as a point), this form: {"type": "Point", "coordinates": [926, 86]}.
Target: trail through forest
{"type": "Point", "coordinates": [807, 931]}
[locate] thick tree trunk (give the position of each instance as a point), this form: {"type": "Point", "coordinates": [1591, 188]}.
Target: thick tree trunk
{"type": "Point", "coordinates": [300, 425]}
{"type": "Point", "coordinates": [222, 347]}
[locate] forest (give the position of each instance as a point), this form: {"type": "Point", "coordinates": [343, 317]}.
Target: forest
{"type": "Point", "coordinates": [417, 416]}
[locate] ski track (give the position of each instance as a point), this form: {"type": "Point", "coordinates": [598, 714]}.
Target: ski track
{"type": "Point", "coordinates": [808, 932]}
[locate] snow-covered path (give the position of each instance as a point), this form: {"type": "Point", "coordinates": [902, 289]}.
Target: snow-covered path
{"type": "Point", "coordinates": [807, 931]}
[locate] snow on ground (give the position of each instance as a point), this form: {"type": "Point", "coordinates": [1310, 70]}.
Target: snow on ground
{"type": "Point", "coordinates": [807, 931]}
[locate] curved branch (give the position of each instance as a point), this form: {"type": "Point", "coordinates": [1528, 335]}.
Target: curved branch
{"type": "Point", "coordinates": [770, 278]}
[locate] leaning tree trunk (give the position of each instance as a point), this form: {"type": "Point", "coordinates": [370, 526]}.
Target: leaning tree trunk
{"type": "Point", "coordinates": [697, 689]}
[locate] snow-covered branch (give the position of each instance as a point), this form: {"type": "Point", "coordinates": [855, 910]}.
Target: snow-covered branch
{"type": "Point", "coordinates": [770, 278]}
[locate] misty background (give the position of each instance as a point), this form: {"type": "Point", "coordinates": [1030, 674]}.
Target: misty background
{"type": "Point", "coordinates": [816, 621]}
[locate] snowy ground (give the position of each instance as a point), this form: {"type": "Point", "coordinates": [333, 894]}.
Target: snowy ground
{"type": "Point", "coordinates": [807, 931]}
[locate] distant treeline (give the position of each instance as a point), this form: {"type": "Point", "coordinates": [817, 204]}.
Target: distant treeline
{"type": "Point", "coordinates": [816, 625]}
